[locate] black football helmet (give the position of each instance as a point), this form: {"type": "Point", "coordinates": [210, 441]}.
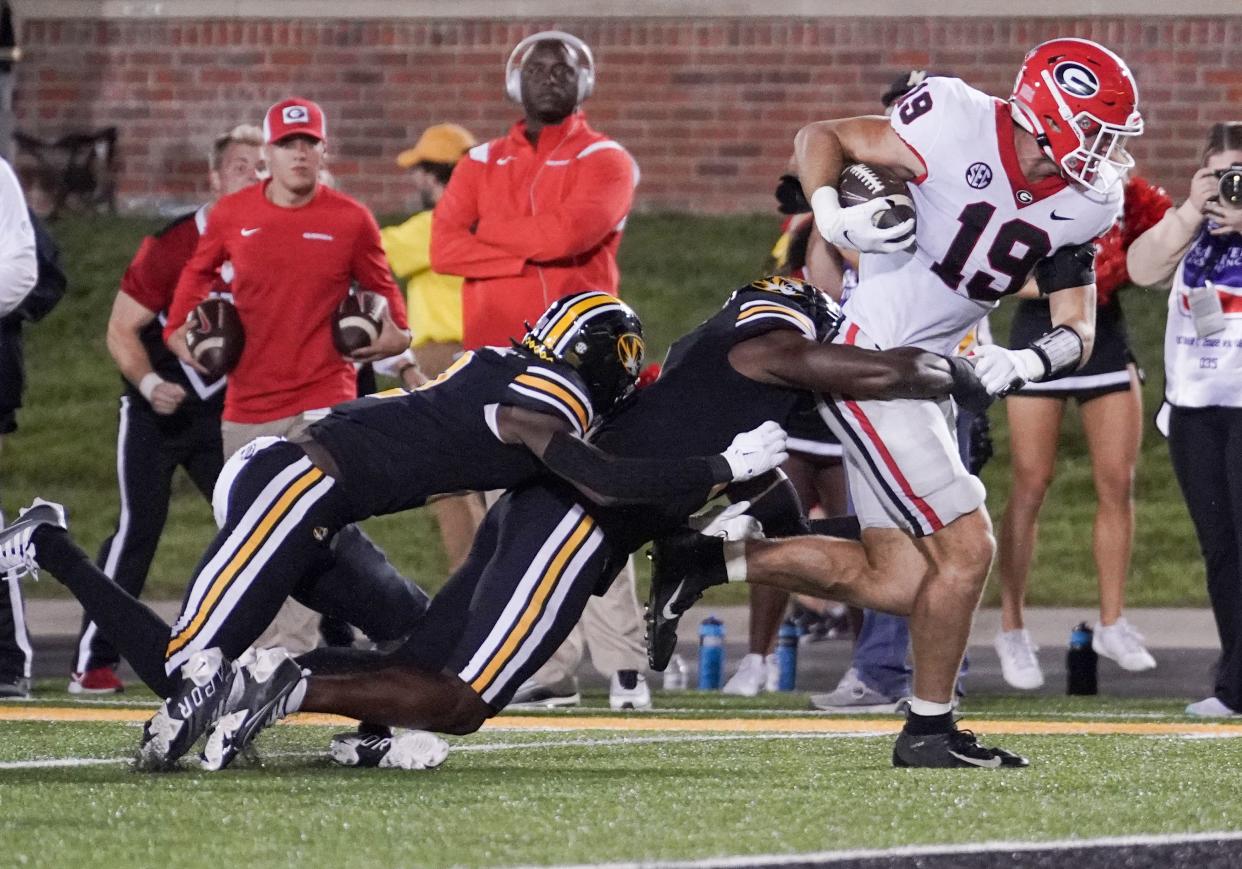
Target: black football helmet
{"type": "Point", "coordinates": [596, 334]}
{"type": "Point", "coordinates": [815, 303]}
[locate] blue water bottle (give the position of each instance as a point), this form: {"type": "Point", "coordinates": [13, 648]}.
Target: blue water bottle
{"type": "Point", "coordinates": [711, 653]}
{"type": "Point", "coordinates": [1081, 662]}
{"type": "Point", "coordinates": [787, 655]}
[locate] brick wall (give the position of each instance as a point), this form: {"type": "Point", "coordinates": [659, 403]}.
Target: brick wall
{"type": "Point", "coordinates": [709, 107]}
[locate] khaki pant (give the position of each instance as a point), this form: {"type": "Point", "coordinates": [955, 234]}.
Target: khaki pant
{"type": "Point", "coordinates": [611, 629]}
{"type": "Point", "coordinates": [295, 627]}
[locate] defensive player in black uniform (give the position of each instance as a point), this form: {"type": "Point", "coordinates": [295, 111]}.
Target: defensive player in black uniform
{"type": "Point", "coordinates": [544, 550]}
{"type": "Point", "coordinates": [495, 420]}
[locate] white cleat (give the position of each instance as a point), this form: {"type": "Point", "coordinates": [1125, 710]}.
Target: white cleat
{"type": "Point", "coordinates": [1121, 642]}
{"type": "Point", "coordinates": [17, 553]}
{"type": "Point", "coordinates": [1019, 665]}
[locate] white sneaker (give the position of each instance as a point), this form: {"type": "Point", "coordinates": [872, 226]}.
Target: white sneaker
{"type": "Point", "coordinates": [853, 695]}
{"type": "Point", "coordinates": [1121, 642]}
{"type": "Point", "coordinates": [620, 697]}
{"type": "Point", "coordinates": [1019, 665]}
{"type": "Point", "coordinates": [752, 676]}
{"type": "Point", "coordinates": [1210, 707]}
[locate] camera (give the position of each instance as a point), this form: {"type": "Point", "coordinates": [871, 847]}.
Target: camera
{"type": "Point", "coordinates": [1229, 186]}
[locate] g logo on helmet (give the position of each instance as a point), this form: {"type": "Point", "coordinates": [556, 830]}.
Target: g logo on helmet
{"type": "Point", "coordinates": [1075, 79]}
{"type": "Point", "coordinates": [630, 350]}
{"type": "Point", "coordinates": [295, 115]}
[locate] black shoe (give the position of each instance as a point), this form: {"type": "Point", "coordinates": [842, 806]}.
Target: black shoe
{"type": "Point", "coordinates": [683, 566]}
{"type": "Point", "coordinates": [406, 749]}
{"type": "Point", "coordinates": [957, 748]}
{"type": "Point", "coordinates": [17, 553]}
{"type": "Point", "coordinates": [532, 695]}
{"type": "Point", "coordinates": [14, 689]}
{"type": "Point", "coordinates": [259, 698]}
{"type": "Point", "coordinates": [206, 679]}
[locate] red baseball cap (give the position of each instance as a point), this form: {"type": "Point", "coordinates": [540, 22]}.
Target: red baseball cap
{"type": "Point", "coordinates": [291, 117]}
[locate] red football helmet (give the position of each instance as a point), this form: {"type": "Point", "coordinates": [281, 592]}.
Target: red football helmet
{"type": "Point", "coordinates": [1080, 102]}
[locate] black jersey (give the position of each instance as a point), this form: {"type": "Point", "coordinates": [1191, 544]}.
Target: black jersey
{"type": "Point", "coordinates": [396, 449]}
{"type": "Point", "coordinates": [700, 402]}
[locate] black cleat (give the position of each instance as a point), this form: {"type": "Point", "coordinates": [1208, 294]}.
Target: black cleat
{"type": "Point", "coordinates": [17, 552]}
{"type": "Point", "coordinates": [404, 749]}
{"type": "Point", "coordinates": [260, 698]}
{"type": "Point", "coordinates": [955, 749]}
{"type": "Point", "coordinates": [683, 566]}
{"type": "Point", "coordinates": [206, 679]}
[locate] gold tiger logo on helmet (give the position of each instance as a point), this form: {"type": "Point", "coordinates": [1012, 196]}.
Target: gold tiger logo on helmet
{"type": "Point", "coordinates": [630, 351]}
{"type": "Point", "coordinates": [779, 284]}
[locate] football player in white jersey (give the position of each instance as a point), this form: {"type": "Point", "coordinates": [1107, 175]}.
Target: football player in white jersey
{"type": "Point", "coordinates": [1002, 191]}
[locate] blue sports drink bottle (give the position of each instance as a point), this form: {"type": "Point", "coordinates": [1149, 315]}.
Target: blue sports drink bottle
{"type": "Point", "coordinates": [711, 653]}
{"type": "Point", "coordinates": [787, 655]}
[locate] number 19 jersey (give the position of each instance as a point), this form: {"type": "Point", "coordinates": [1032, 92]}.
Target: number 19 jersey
{"type": "Point", "coordinates": [982, 226]}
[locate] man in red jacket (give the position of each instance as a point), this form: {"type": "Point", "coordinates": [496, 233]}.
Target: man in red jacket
{"type": "Point", "coordinates": [536, 214]}
{"type": "Point", "coordinates": [294, 246]}
{"type": "Point", "coordinates": [527, 218]}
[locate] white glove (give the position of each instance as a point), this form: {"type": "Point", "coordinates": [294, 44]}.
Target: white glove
{"type": "Point", "coordinates": [732, 523]}
{"type": "Point", "coordinates": [1001, 370]}
{"type": "Point", "coordinates": [756, 451]}
{"type": "Point", "coordinates": [855, 226]}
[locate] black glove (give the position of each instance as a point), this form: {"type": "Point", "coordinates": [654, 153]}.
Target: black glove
{"type": "Point", "coordinates": [980, 442]}
{"type": "Point", "coordinates": [968, 390]}
{"type": "Point", "coordinates": [790, 196]}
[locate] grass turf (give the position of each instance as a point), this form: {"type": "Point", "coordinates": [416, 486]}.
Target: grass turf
{"type": "Point", "coordinates": [676, 270]}
{"type": "Point", "coordinates": [559, 796]}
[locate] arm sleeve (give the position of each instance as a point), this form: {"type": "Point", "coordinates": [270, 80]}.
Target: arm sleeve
{"type": "Point", "coordinates": [763, 311]}
{"type": "Point", "coordinates": [370, 268]}
{"type": "Point", "coordinates": [633, 480]}
{"type": "Point", "coordinates": [408, 246]}
{"type": "Point", "coordinates": [19, 265]}
{"type": "Point", "coordinates": [150, 279]}
{"type": "Point", "coordinates": [594, 208]}
{"type": "Point", "coordinates": [927, 117]}
{"type": "Point", "coordinates": [200, 273]}
{"type": "Point", "coordinates": [455, 250]}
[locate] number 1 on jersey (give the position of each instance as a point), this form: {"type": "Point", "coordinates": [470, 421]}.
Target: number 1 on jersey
{"type": "Point", "coordinates": [1001, 256]}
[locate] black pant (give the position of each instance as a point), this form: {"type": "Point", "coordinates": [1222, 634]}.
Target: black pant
{"type": "Point", "coordinates": [15, 655]}
{"type": "Point", "coordinates": [1206, 448]}
{"type": "Point", "coordinates": [149, 449]}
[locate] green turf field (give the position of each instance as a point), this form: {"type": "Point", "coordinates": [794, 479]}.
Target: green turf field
{"type": "Point", "coordinates": [723, 777]}
{"type": "Point", "coordinates": [676, 270]}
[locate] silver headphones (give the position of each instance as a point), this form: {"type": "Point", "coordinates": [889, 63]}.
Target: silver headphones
{"type": "Point", "coordinates": [513, 69]}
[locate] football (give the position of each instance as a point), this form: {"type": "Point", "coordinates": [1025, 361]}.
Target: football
{"type": "Point", "coordinates": [862, 182]}
{"type": "Point", "coordinates": [358, 320]}
{"type": "Point", "coordinates": [215, 336]}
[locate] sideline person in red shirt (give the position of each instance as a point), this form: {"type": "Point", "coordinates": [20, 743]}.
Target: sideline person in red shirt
{"type": "Point", "coordinates": [169, 416]}
{"type": "Point", "coordinates": [536, 214]}
{"type": "Point", "coordinates": [295, 246]}
{"type": "Point", "coordinates": [528, 218]}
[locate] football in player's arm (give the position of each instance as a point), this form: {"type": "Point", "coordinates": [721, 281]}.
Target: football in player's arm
{"type": "Point", "coordinates": [1067, 276]}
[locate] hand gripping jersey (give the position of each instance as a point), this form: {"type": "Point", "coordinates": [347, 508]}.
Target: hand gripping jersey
{"type": "Point", "coordinates": [396, 449]}
{"type": "Point", "coordinates": [982, 227]}
{"type": "Point", "coordinates": [699, 403]}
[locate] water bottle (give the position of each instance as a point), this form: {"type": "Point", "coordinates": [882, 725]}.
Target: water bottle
{"type": "Point", "coordinates": [787, 655]}
{"type": "Point", "coordinates": [711, 653]}
{"type": "Point", "coordinates": [676, 677]}
{"type": "Point", "coordinates": [1081, 662]}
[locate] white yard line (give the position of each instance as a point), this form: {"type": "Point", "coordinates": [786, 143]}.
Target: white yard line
{"type": "Point", "coordinates": [828, 857]}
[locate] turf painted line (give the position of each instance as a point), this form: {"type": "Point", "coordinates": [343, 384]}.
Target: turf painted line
{"type": "Point", "coordinates": [642, 722]}
{"type": "Point", "coordinates": [816, 858]}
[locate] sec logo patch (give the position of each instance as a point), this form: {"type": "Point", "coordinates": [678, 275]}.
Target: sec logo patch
{"type": "Point", "coordinates": [979, 175]}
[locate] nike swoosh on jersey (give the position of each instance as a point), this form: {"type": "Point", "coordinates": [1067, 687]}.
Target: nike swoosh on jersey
{"type": "Point", "coordinates": [991, 763]}
{"type": "Point", "coordinates": [1056, 216]}
{"type": "Point", "coordinates": [503, 160]}
{"type": "Point", "coordinates": [250, 232]}
{"type": "Point", "coordinates": [668, 607]}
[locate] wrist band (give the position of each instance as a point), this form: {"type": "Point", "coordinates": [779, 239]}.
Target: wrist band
{"type": "Point", "coordinates": [147, 385]}
{"type": "Point", "coordinates": [1060, 350]}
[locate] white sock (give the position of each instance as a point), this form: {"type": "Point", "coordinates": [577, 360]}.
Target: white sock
{"type": "Point", "coordinates": [928, 708]}
{"type": "Point", "coordinates": [735, 560]}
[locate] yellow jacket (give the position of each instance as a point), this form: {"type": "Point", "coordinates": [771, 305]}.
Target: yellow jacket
{"type": "Point", "coordinates": [433, 300]}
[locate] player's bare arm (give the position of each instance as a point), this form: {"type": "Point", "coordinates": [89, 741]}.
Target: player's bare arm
{"type": "Point", "coordinates": [786, 358]}
{"type": "Point", "coordinates": [607, 479]}
{"type": "Point", "coordinates": [127, 320]}
{"type": "Point", "coordinates": [823, 149]}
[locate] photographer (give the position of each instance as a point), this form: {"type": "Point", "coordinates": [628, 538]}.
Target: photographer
{"type": "Point", "coordinates": [1196, 249]}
